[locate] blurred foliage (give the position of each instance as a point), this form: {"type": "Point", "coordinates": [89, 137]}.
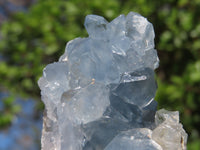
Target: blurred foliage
{"type": "Point", "coordinates": [9, 111]}
{"type": "Point", "coordinates": [31, 40]}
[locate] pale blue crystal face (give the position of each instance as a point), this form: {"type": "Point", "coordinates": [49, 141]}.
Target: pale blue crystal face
{"type": "Point", "coordinates": [100, 95]}
{"type": "Point", "coordinates": [135, 139]}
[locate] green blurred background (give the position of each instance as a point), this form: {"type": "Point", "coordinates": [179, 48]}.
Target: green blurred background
{"type": "Point", "coordinates": [30, 40]}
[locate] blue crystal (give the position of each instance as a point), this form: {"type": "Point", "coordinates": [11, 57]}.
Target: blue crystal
{"type": "Point", "coordinates": [100, 94]}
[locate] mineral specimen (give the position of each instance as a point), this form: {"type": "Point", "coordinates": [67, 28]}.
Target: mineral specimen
{"type": "Point", "coordinates": [100, 94]}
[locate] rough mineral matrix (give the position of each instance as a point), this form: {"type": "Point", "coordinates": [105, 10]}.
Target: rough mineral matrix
{"type": "Point", "coordinates": [100, 94]}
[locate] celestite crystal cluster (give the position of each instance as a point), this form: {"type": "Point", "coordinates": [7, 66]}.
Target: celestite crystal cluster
{"type": "Point", "coordinates": [100, 94]}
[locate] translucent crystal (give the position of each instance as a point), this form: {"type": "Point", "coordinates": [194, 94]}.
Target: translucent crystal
{"type": "Point", "coordinates": [135, 139]}
{"type": "Point", "coordinates": [169, 132]}
{"type": "Point", "coordinates": [100, 94]}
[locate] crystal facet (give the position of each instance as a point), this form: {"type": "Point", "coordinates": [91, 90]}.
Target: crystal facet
{"type": "Point", "coordinates": [100, 94]}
